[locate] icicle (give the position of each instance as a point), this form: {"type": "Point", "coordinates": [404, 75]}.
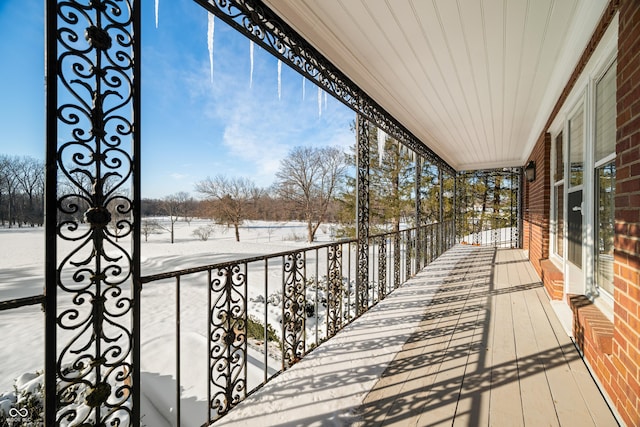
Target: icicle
{"type": "Point", "coordinates": [381, 140]}
{"type": "Point", "coordinates": [157, 4]}
{"type": "Point", "coordinates": [279, 79]}
{"type": "Point", "coordinates": [251, 61]}
{"type": "Point", "coordinates": [319, 101]}
{"type": "Point", "coordinates": [303, 91]}
{"type": "Point", "coordinates": [210, 33]}
{"type": "Point", "coordinates": [325, 101]}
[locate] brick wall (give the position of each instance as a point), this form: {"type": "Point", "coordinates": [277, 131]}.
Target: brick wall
{"type": "Point", "coordinates": [624, 384]}
{"type": "Point", "coordinates": [537, 204]}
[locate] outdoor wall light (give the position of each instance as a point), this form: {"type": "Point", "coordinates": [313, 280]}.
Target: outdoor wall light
{"type": "Point", "coordinates": [530, 171]}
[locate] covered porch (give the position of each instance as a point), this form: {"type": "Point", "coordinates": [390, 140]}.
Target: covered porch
{"type": "Point", "coordinates": [472, 339]}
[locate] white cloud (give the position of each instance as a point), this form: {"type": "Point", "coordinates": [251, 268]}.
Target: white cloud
{"type": "Point", "coordinates": [258, 128]}
{"type": "Point", "coordinates": [178, 176]}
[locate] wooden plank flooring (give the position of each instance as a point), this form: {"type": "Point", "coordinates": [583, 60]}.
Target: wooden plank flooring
{"type": "Point", "coordinates": [497, 355]}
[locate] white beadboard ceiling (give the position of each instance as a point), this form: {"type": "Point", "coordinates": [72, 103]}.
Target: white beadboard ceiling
{"type": "Point", "coordinates": [475, 80]}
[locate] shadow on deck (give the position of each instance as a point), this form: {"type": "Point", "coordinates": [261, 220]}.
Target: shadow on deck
{"type": "Point", "coordinates": [471, 340]}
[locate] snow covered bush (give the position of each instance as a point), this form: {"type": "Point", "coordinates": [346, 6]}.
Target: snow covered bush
{"type": "Point", "coordinates": [255, 330]}
{"type": "Point", "coordinates": [24, 406]}
{"type": "Point", "coordinates": [203, 232]}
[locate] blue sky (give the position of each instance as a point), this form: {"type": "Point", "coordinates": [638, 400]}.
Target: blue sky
{"type": "Point", "coordinates": [191, 127]}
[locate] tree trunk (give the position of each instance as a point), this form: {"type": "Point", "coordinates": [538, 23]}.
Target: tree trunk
{"type": "Point", "coordinates": [172, 231]}
{"type": "Point", "coordinates": [310, 231]}
{"type": "Point", "coordinates": [485, 197]}
{"type": "Point", "coordinates": [235, 225]}
{"type": "Point", "coordinates": [496, 203]}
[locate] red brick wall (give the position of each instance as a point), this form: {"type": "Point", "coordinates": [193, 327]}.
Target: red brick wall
{"type": "Point", "coordinates": [624, 385]}
{"type": "Point", "coordinates": [536, 204]}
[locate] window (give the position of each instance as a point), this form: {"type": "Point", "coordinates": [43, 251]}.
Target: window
{"type": "Point", "coordinates": [574, 196]}
{"type": "Point", "coordinates": [576, 137]}
{"type": "Point", "coordinates": [558, 190]}
{"type": "Point", "coordinates": [605, 177]}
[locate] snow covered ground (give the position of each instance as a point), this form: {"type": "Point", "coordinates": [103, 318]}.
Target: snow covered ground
{"type": "Point", "coordinates": [22, 330]}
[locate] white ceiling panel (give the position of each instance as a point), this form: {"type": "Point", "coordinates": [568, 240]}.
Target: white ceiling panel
{"type": "Point", "coordinates": [474, 80]}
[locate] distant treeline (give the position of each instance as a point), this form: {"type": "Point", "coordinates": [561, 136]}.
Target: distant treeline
{"type": "Point", "coordinates": [266, 207]}
{"type": "Point", "coordinates": [21, 191]}
{"type": "Point", "coordinates": [22, 200]}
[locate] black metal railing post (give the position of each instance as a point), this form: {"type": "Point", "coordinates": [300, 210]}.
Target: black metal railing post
{"type": "Point", "coordinates": [454, 213]}
{"type": "Point", "coordinates": [382, 268]}
{"type": "Point", "coordinates": [396, 259]}
{"type": "Point", "coordinates": [440, 210]}
{"type": "Point", "coordinates": [136, 199]}
{"type": "Point", "coordinates": [362, 214]}
{"type": "Point", "coordinates": [178, 345]}
{"type": "Point", "coordinates": [418, 212]}
{"type": "Point", "coordinates": [51, 209]}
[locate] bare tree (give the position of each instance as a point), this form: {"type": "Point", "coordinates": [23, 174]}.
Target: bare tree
{"type": "Point", "coordinates": [233, 199]}
{"type": "Point", "coordinates": [309, 177]}
{"type": "Point", "coordinates": [150, 226]}
{"type": "Point", "coordinates": [173, 206]}
{"type": "Point", "coordinates": [30, 178]}
{"type": "Point", "coordinates": [10, 186]}
{"type": "Point", "coordinates": [4, 190]}
{"type": "Point", "coordinates": [21, 190]}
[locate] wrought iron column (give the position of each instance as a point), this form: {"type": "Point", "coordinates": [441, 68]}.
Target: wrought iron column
{"type": "Point", "coordinates": [362, 214]}
{"type": "Point", "coordinates": [520, 196]}
{"type": "Point", "coordinates": [93, 147]}
{"type": "Point", "coordinates": [440, 211]}
{"type": "Point", "coordinates": [51, 212]}
{"type": "Point", "coordinates": [418, 214]}
{"type": "Point", "coordinates": [454, 220]}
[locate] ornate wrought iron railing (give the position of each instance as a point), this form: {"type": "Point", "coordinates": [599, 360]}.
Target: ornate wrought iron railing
{"type": "Point", "coordinates": [488, 207]}
{"type": "Point", "coordinates": [304, 297]}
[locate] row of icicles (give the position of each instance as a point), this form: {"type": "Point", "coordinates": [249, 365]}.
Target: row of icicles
{"type": "Point", "coordinates": [382, 136]}
{"type": "Point", "coordinates": [210, 44]}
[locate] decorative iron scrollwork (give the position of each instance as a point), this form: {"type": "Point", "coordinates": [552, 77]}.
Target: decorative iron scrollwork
{"type": "Point", "coordinates": [498, 192]}
{"type": "Point", "coordinates": [362, 208]}
{"type": "Point", "coordinates": [409, 253]}
{"type": "Point", "coordinates": [293, 309]}
{"type": "Point", "coordinates": [396, 259]}
{"type": "Point", "coordinates": [227, 358]}
{"type": "Point", "coordinates": [418, 213]}
{"type": "Point", "coordinates": [334, 291]}
{"type": "Point", "coordinates": [95, 68]}
{"type": "Point", "coordinates": [382, 268]}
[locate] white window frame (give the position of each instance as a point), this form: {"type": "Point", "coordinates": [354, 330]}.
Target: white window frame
{"type": "Point", "coordinates": [601, 294]}
{"type": "Point", "coordinates": [583, 95]}
{"type": "Point", "coordinates": [553, 227]}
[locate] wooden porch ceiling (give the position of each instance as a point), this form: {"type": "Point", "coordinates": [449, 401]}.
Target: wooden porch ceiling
{"type": "Point", "coordinates": [474, 80]}
{"type": "Point", "coordinates": [471, 340]}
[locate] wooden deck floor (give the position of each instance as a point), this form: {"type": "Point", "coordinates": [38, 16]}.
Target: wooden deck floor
{"type": "Point", "coordinates": [470, 341]}
{"type": "Point", "coordinates": [489, 351]}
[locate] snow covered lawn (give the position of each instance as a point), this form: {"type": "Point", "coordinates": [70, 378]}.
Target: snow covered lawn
{"type": "Point", "coordinates": [22, 330]}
